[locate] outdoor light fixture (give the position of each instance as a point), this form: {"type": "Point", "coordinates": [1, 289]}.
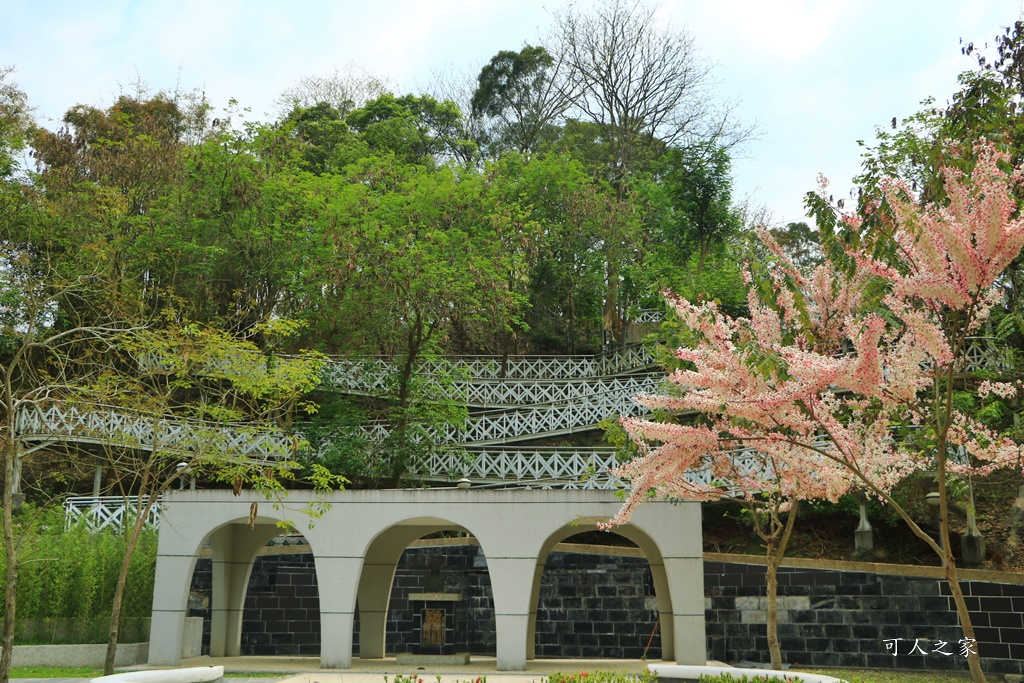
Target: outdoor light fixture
{"type": "Point", "coordinates": [463, 483]}
{"type": "Point", "coordinates": [932, 498]}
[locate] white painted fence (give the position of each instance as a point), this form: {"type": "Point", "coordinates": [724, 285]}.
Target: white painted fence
{"type": "Point", "coordinates": [106, 512]}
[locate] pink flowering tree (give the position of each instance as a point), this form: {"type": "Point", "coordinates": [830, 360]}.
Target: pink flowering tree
{"type": "Point", "coordinates": [829, 364]}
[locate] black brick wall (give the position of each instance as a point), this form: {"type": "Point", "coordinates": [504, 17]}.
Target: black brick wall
{"type": "Point", "coordinates": [589, 605]}
{"type": "Point", "coordinates": [603, 606]}
{"type": "Point", "coordinates": [833, 618]}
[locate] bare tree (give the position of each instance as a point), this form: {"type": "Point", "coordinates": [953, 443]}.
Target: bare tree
{"type": "Point", "coordinates": [646, 88]}
{"type": "Point", "coordinates": [643, 84]}
{"type": "Point", "coordinates": [455, 84]}
{"type": "Point", "coordinates": [344, 89]}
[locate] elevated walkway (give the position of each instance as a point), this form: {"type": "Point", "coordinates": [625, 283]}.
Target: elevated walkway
{"type": "Point", "coordinates": [516, 401]}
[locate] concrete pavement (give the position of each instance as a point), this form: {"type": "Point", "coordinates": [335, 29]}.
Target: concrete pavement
{"type": "Point", "coordinates": [307, 669]}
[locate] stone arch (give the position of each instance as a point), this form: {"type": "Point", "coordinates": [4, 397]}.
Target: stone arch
{"type": "Point", "coordinates": [651, 551]}
{"type": "Point", "coordinates": [234, 543]}
{"type": "Point", "coordinates": [514, 528]}
{"type": "Point", "coordinates": [378, 575]}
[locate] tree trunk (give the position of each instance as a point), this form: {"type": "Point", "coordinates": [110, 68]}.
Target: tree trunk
{"type": "Point", "coordinates": [775, 555]}
{"type": "Point", "coordinates": [772, 621]}
{"type": "Point", "coordinates": [11, 557]}
{"type": "Point", "coordinates": [949, 564]}
{"type": "Point", "coordinates": [612, 320]}
{"type": "Point", "coordinates": [122, 579]}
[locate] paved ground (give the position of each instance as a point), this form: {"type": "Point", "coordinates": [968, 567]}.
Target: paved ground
{"type": "Point", "coordinates": [307, 669]}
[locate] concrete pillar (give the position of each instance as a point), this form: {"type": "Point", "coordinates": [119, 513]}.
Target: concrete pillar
{"type": "Point", "coordinates": [511, 582]}
{"type": "Point", "coordinates": [531, 626]}
{"type": "Point", "coordinates": [234, 548]}
{"type": "Point", "coordinates": [170, 605]}
{"type": "Point", "coordinates": [864, 536]}
{"type": "Point", "coordinates": [666, 619]}
{"type": "Point", "coordinates": [685, 577]}
{"type": "Point", "coordinates": [337, 578]}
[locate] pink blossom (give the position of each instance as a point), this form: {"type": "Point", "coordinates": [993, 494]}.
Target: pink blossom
{"type": "Point", "coordinates": [786, 412]}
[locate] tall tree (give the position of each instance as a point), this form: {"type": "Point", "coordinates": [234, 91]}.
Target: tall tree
{"type": "Point", "coordinates": [327, 144]}
{"type": "Point", "coordinates": [775, 382]}
{"type": "Point", "coordinates": [698, 217]}
{"type": "Point", "coordinates": [416, 258]}
{"type": "Point", "coordinates": [643, 84]}
{"type": "Point", "coordinates": [417, 130]}
{"type": "Point", "coordinates": [344, 89]}
{"type": "Point", "coordinates": [523, 93]}
{"type": "Point", "coordinates": [645, 88]}
{"type": "Point", "coordinates": [15, 123]}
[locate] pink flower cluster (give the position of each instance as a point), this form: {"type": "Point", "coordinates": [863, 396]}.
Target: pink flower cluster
{"type": "Point", "coordinates": [822, 420]}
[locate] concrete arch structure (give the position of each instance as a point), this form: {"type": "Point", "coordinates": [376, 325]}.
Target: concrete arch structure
{"type": "Point", "coordinates": [659, 572]}
{"type": "Point", "coordinates": [358, 541]}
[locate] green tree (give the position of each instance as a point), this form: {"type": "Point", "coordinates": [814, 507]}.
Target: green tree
{"type": "Point", "coordinates": [522, 94]}
{"type": "Point", "coordinates": [206, 395]}
{"type": "Point", "coordinates": [415, 261]}
{"type": "Point", "coordinates": [415, 129]}
{"type": "Point", "coordinates": [328, 145]}
{"type": "Point", "coordinates": [569, 214]}
{"type": "Point", "coordinates": [15, 123]}
{"type": "Point", "coordinates": [699, 217]}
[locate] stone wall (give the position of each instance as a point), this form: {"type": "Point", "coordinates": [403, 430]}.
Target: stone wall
{"type": "Point", "coordinates": [599, 605]}
{"type": "Point", "coordinates": [589, 605]}
{"type": "Point", "coordinates": [848, 618]}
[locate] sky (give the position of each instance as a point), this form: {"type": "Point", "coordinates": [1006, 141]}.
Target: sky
{"type": "Point", "coordinates": [813, 76]}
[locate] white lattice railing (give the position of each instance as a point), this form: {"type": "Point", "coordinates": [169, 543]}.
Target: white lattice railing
{"type": "Point", "coordinates": [648, 315]}
{"type": "Point", "coordinates": [373, 373]}
{"type": "Point", "coordinates": [117, 427]}
{"type": "Point", "coordinates": [565, 405]}
{"type": "Point", "coordinates": [540, 467]}
{"type": "Point", "coordinates": [583, 412]}
{"type": "Point", "coordinates": [521, 393]}
{"type": "Point", "coordinates": [985, 353]}
{"type": "Point", "coordinates": [567, 468]}
{"type": "Point", "coordinates": [514, 393]}
{"type": "Point", "coordinates": [106, 512]}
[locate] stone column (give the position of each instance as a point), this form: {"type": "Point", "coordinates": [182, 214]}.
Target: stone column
{"type": "Point", "coordinates": [511, 582]}
{"type": "Point", "coordinates": [234, 548]}
{"type": "Point", "coordinates": [337, 578]}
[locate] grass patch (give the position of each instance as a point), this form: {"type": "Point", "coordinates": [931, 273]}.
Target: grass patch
{"type": "Point", "coordinates": [255, 674]}
{"type": "Point", "coordinates": [54, 672]}
{"type": "Point", "coordinates": [86, 672]}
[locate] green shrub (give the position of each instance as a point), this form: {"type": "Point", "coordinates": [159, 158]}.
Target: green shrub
{"type": "Point", "coordinates": [68, 577]}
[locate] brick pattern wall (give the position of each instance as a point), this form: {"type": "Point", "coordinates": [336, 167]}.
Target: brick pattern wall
{"type": "Point", "coordinates": [282, 608]}
{"type": "Point", "coordinates": [597, 606]}
{"type": "Point", "coordinates": [603, 606]}
{"type": "Point", "coordinates": [834, 618]}
{"type": "Point", "coordinates": [462, 570]}
{"type": "Point", "coordinates": [589, 605]}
